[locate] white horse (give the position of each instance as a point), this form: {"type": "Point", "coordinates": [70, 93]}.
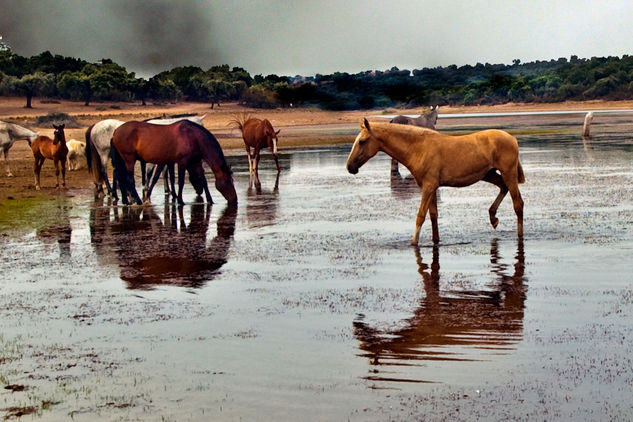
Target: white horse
{"type": "Point", "coordinates": [98, 137]}
{"type": "Point", "coordinates": [76, 154]}
{"type": "Point", "coordinates": [9, 133]}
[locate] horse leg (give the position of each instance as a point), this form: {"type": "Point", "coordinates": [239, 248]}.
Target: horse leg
{"type": "Point", "coordinates": [428, 193]}
{"type": "Point", "coordinates": [152, 178]}
{"type": "Point", "coordinates": [196, 173]}
{"type": "Point", "coordinates": [6, 162]}
{"type": "Point", "coordinates": [493, 177]}
{"type": "Point", "coordinates": [276, 161]}
{"type": "Point", "coordinates": [37, 168]}
{"type": "Point", "coordinates": [171, 172]}
{"type": "Point", "coordinates": [56, 163]}
{"type": "Point", "coordinates": [248, 154]}
{"type": "Point", "coordinates": [433, 214]}
{"type": "Point", "coordinates": [181, 182]}
{"type": "Point", "coordinates": [394, 167]}
{"type": "Point", "coordinates": [511, 180]}
{"type": "Point", "coordinates": [63, 164]}
{"type": "Point", "coordinates": [256, 161]}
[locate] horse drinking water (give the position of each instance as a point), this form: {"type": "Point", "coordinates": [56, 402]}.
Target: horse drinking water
{"type": "Point", "coordinates": [184, 143]}
{"type": "Point", "coordinates": [257, 134]}
{"type": "Point", "coordinates": [435, 160]}
{"type": "Point", "coordinates": [54, 149]}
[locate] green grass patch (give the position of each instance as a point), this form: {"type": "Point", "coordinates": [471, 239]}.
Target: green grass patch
{"type": "Point", "coordinates": [27, 214]}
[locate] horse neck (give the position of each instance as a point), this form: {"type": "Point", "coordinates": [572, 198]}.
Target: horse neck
{"type": "Point", "coordinates": [212, 154]}
{"type": "Point", "coordinates": [399, 142]}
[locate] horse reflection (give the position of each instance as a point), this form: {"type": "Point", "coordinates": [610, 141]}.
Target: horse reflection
{"type": "Point", "coordinates": [261, 208]}
{"type": "Point", "coordinates": [479, 318]}
{"type": "Point", "coordinates": [151, 252]}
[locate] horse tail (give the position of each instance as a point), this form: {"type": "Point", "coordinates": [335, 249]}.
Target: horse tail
{"type": "Point", "coordinates": [88, 152]}
{"type": "Point", "coordinates": [238, 121]}
{"type": "Point", "coordinates": [521, 175]}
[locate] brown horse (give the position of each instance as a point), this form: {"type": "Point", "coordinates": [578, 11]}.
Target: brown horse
{"type": "Point", "coordinates": [184, 143]}
{"type": "Point", "coordinates": [435, 160]}
{"type": "Point", "coordinates": [54, 149]}
{"type": "Point", "coordinates": [426, 119]}
{"type": "Point", "coordinates": [257, 134]}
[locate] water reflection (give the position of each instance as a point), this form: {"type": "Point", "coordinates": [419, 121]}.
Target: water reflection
{"type": "Point", "coordinates": [60, 232]}
{"type": "Point", "coordinates": [403, 187]}
{"type": "Point", "coordinates": [262, 204]}
{"type": "Point", "coordinates": [447, 320]}
{"type": "Point", "coordinates": [151, 252]}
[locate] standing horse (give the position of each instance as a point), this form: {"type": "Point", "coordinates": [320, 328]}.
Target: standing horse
{"type": "Point", "coordinates": [257, 134]}
{"type": "Point", "coordinates": [435, 160]}
{"type": "Point", "coordinates": [426, 119]}
{"type": "Point", "coordinates": [98, 137]}
{"type": "Point", "coordinates": [54, 149]}
{"type": "Point", "coordinates": [184, 143]}
{"type": "Point", "coordinates": [9, 133]}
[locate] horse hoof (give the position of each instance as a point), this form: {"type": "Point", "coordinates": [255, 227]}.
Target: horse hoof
{"type": "Point", "coordinates": [494, 222]}
{"type": "Point", "coordinates": [9, 174]}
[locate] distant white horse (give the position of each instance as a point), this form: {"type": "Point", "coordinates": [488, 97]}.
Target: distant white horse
{"type": "Point", "coordinates": [76, 154]}
{"type": "Point", "coordinates": [9, 133]}
{"type": "Point", "coordinates": [98, 137]}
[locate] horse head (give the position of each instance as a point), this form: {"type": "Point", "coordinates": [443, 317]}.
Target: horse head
{"type": "Point", "coordinates": [365, 146]}
{"type": "Point", "coordinates": [59, 134]}
{"type": "Point", "coordinates": [271, 136]}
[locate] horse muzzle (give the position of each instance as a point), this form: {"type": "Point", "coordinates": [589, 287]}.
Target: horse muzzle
{"type": "Point", "coordinates": [353, 169]}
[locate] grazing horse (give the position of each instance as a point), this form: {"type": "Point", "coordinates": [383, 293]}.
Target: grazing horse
{"type": "Point", "coordinates": [184, 143]}
{"type": "Point", "coordinates": [436, 159]}
{"type": "Point", "coordinates": [98, 137]}
{"type": "Point", "coordinates": [257, 134]}
{"type": "Point", "coordinates": [426, 119]}
{"type": "Point", "coordinates": [9, 133]}
{"type": "Point", "coordinates": [76, 152]}
{"type": "Point", "coordinates": [54, 149]}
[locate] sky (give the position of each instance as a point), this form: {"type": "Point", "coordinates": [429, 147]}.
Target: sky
{"type": "Point", "coordinates": [306, 37]}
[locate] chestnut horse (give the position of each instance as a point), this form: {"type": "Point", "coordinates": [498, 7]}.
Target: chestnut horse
{"type": "Point", "coordinates": [257, 134]}
{"type": "Point", "coordinates": [54, 149]}
{"type": "Point", "coordinates": [426, 119]}
{"type": "Point", "coordinates": [184, 143]}
{"type": "Point", "coordinates": [435, 160]}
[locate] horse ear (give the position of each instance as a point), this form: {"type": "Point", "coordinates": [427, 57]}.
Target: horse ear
{"type": "Point", "coordinates": [365, 124]}
{"type": "Point", "coordinates": [277, 133]}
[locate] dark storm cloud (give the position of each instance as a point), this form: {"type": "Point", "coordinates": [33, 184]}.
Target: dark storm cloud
{"type": "Point", "coordinates": [316, 36]}
{"type": "Point", "coordinates": [146, 36]}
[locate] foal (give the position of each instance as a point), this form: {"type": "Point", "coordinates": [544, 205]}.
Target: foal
{"type": "Point", "coordinates": [54, 149]}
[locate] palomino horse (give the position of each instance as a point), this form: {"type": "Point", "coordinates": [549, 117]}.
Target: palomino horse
{"type": "Point", "coordinates": [435, 160]}
{"type": "Point", "coordinates": [184, 143]}
{"type": "Point", "coordinates": [426, 119]}
{"type": "Point", "coordinates": [257, 134]}
{"type": "Point", "coordinates": [98, 137]}
{"type": "Point", "coordinates": [9, 133]}
{"type": "Point", "coordinates": [54, 149]}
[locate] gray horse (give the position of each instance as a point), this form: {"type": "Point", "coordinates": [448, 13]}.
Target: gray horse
{"type": "Point", "coordinates": [9, 133]}
{"type": "Point", "coordinates": [426, 119]}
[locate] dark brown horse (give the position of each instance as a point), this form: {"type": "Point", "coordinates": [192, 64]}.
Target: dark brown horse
{"type": "Point", "coordinates": [184, 143]}
{"type": "Point", "coordinates": [54, 149]}
{"type": "Point", "coordinates": [426, 119]}
{"type": "Point", "coordinates": [257, 134]}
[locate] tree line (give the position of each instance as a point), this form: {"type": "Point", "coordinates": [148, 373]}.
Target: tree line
{"type": "Point", "coordinates": [56, 76]}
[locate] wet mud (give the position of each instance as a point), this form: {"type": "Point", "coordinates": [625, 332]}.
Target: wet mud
{"type": "Point", "coordinates": [307, 302]}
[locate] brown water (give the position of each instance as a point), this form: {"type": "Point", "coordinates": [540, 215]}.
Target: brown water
{"type": "Point", "coordinates": [307, 302]}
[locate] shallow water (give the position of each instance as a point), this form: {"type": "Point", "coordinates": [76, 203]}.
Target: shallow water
{"type": "Point", "coordinates": [308, 303]}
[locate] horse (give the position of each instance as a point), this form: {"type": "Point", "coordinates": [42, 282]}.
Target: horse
{"type": "Point", "coordinates": [98, 137]}
{"type": "Point", "coordinates": [426, 119]}
{"type": "Point", "coordinates": [54, 149]}
{"type": "Point", "coordinates": [76, 151]}
{"type": "Point", "coordinates": [9, 133]}
{"type": "Point", "coordinates": [436, 159]}
{"type": "Point", "coordinates": [257, 134]}
{"type": "Point", "coordinates": [184, 143]}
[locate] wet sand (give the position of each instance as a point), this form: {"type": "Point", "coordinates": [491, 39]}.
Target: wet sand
{"type": "Point", "coordinates": [309, 304]}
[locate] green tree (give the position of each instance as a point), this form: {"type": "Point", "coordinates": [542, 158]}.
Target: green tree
{"type": "Point", "coordinates": [30, 85]}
